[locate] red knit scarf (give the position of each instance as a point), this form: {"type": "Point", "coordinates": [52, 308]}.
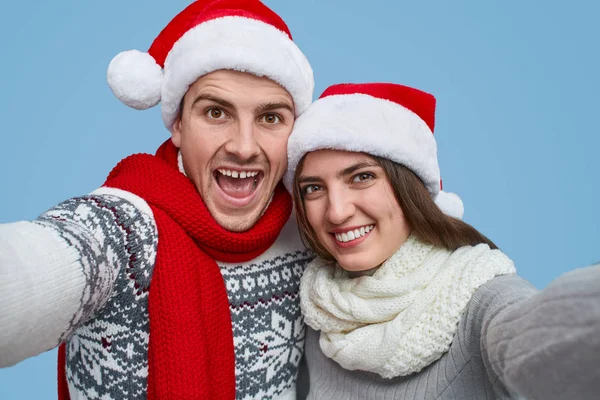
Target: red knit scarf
{"type": "Point", "coordinates": [191, 353]}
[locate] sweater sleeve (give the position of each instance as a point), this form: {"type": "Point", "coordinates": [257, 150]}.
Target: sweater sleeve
{"type": "Point", "coordinates": [58, 271]}
{"type": "Point", "coordinates": [547, 345]}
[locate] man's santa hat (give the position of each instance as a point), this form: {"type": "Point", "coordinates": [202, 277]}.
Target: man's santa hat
{"type": "Point", "coordinates": [382, 119]}
{"type": "Point", "coordinates": [209, 35]}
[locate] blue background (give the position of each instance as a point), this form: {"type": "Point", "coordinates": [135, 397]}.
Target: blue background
{"type": "Point", "coordinates": [517, 87]}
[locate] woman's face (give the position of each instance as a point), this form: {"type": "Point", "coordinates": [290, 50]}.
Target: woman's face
{"type": "Point", "coordinates": [351, 207]}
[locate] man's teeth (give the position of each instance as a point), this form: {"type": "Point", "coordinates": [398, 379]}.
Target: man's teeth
{"type": "Point", "coordinates": [237, 174]}
{"type": "Point", "coordinates": [354, 234]}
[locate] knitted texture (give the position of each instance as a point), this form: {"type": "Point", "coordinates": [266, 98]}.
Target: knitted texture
{"type": "Point", "coordinates": [105, 355]}
{"type": "Point", "coordinates": [107, 343]}
{"type": "Point", "coordinates": [267, 323]}
{"type": "Point", "coordinates": [402, 318]}
{"type": "Point", "coordinates": [188, 301]}
{"type": "Point", "coordinates": [460, 374]}
{"type": "Point", "coordinates": [100, 271]}
{"type": "Point", "coordinates": [513, 342]}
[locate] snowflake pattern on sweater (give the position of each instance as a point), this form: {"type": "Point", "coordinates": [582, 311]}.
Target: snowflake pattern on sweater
{"type": "Point", "coordinates": [267, 324]}
{"type": "Point", "coordinates": [108, 338]}
{"type": "Point", "coordinates": [107, 354]}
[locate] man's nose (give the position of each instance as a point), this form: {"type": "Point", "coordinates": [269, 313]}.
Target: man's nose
{"type": "Point", "coordinates": [243, 142]}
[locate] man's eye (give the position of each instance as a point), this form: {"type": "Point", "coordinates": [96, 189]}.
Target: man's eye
{"type": "Point", "coordinates": [215, 113]}
{"type": "Point", "coordinates": [362, 177]}
{"type": "Point", "coordinates": [271, 118]}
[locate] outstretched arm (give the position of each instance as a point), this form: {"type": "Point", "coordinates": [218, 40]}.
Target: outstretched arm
{"type": "Point", "coordinates": [548, 346]}
{"type": "Point", "coordinates": [58, 271]}
{"type": "Point", "coordinates": [41, 288]}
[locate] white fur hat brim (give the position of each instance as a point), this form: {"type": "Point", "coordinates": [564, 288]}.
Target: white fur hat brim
{"type": "Point", "coordinates": [234, 43]}
{"type": "Point", "coordinates": [363, 123]}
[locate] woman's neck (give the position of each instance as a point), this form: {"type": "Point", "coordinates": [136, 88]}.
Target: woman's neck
{"type": "Point", "coordinates": [358, 274]}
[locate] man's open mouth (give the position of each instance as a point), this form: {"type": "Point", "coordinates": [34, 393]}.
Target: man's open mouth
{"type": "Point", "coordinates": [238, 184]}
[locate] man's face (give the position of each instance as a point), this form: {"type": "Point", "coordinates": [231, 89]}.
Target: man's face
{"type": "Point", "coordinates": [233, 133]}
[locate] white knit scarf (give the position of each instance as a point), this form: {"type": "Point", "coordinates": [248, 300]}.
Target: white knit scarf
{"type": "Point", "coordinates": [403, 317]}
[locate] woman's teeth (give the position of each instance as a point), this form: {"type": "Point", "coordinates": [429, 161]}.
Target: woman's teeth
{"type": "Point", "coordinates": [353, 234]}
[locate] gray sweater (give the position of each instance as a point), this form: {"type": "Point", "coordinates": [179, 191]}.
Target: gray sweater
{"type": "Point", "coordinates": [512, 341]}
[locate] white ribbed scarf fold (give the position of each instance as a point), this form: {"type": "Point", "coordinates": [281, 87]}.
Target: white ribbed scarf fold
{"type": "Point", "coordinates": [403, 317]}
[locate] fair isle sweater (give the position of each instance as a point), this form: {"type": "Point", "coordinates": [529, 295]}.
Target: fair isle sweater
{"type": "Point", "coordinates": [512, 342]}
{"type": "Point", "coordinates": [80, 273]}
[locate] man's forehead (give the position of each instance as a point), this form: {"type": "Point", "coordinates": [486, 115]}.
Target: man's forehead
{"type": "Point", "coordinates": [229, 80]}
{"type": "Point", "coordinates": [240, 88]}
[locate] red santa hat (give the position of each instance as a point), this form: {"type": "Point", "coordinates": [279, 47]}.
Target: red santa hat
{"type": "Point", "coordinates": [383, 119]}
{"type": "Point", "coordinates": [209, 35]}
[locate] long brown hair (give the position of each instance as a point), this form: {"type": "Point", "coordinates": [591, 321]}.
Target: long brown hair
{"type": "Point", "coordinates": [428, 223]}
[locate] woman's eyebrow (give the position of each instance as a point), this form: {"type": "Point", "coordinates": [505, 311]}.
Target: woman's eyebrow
{"type": "Point", "coordinates": [304, 179]}
{"type": "Point", "coordinates": [355, 167]}
{"type": "Point", "coordinates": [346, 171]}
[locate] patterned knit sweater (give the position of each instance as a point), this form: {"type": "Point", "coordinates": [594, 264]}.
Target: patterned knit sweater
{"type": "Point", "coordinates": [85, 268]}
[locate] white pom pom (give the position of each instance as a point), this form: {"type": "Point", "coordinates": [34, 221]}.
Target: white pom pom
{"type": "Point", "coordinates": [450, 204]}
{"type": "Point", "coordinates": [136, 79]}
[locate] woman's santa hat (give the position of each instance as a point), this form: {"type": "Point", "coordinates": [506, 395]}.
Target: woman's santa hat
{"type": "Point", "coordinates": [240, 35]}
{"type": "Point", "coordinates": [383, 119]}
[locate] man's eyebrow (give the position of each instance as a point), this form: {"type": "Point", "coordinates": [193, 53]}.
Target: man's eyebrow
{"type": "Point", "coordinates": [214, 99]}
{"type": "Point", "coordinates": [355, 167]}
{"type": "Point", "coordinates": [263, 108]}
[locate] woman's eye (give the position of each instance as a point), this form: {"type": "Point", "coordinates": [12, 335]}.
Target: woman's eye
{"type": "Point", "coordinates": [215, 113]}
{"type": "Point", "coordinates": [271, 118]}
{"type": "Point", "coordinates": [310, 189]}
{"type": "Point", "coordinates": [365, 176]}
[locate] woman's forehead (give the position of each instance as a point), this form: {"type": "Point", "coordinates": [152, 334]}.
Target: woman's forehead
{"type": "Point", "coordinates": [337, 158]}
{"type": "Point", "coordinates": [326, 165]}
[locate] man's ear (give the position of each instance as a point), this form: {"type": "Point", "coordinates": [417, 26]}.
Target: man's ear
{"type": "Point", "coordinates": [176, 132]}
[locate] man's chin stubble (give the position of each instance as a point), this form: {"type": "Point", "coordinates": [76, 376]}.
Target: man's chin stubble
{"type": "Point", "coordinates": [237, 224]}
